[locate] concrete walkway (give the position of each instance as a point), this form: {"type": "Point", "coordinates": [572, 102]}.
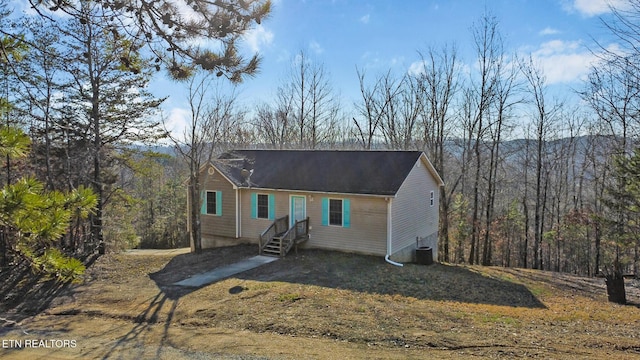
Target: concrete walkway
{"type": "Point", "coordinates": [220, 273]}
{"type": "Point", "coordinates": [158, 252]}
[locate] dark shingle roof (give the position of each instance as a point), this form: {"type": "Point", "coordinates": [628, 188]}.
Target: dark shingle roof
{"type": "Point", "coordinates": [349, 172]}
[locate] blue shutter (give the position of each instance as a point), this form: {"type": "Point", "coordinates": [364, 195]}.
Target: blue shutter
{"type": "Point", "coordinates": [346, 213]}
{"type": "Point", "coordinates": [272, 207]}
{"type": "Point", "coordinates": [219, 203]}
{"type": "Point", "coordinates": [325, 211]}
{"type": "Point", "coordinates": [254, 205]}
{"type": "Point", "coordinates": [203, 201]}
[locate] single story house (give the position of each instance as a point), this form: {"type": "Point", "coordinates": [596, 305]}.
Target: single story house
{"type": "Point", "coordinates": [368, 202]}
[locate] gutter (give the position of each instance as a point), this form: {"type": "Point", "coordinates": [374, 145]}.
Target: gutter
{"type": "Point", "coordinates": [254, 187]}
{"type": "Point", "coordinates": [390, 233]}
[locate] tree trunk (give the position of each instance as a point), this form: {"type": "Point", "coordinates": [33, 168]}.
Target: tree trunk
{"type": "Point", "coordinates": [96, 228]}
{"type": "Point", "coordinates": [475, 221]}
{"type": "Point", "coordinates": [615, 288]}
{"type": "Point", "coordinates": [537, 235]}
{"type": "Point", "coordinates": [194, 213]}
{"type": "Point", "coordinates": [3, 248]}
{"type": "Point", "coordinates": [491, 194]}
{"type": "Point", "coordinates": [524, 242]}
{"type": "Point", "coordinates": [444, 225]}
{"type": "Point", "coordinates": [597, 237]}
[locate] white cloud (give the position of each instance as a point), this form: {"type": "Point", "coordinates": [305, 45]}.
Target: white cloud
{"type": "Point", "coordinates": [564, 61]}
{"type": "Point", "coordinates": [176, 122]}
{"type": "Point", "coordinates": [365, 19]}
{"type": "Point", "coordinates": [315, 47]}
{"type": "Point", "coordinates": [557, 46]}
{"type": "Point", "coordinates": [258, 37]}
{"type": "Point", "coordinates": [24, 7]}
{"type": "Point", "coordinates": [416, 68]}
{"type": "Point", "coordinates": [548, 31]}
{"type": "Point", "coordinates": [596, 7]}
{"type": "Point", "coordinates": [187, 12]}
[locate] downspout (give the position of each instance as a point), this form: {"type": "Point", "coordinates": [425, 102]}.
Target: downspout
{"type": "Point", "coordinates": [386, 258]}
{"type": "Point", "coordinates": [390, 232]}
{"type": "Point", "coordinates": [238, 217]}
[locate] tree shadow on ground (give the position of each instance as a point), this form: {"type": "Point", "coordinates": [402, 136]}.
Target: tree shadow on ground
{"type": "Point", "coordinates": [370, 274]}
{"type": "Point", "coordinates": [161, 308]}
{"type": "Point", "coordinates": [26, 293]}
{"type": "Point", "coordinates": [366, 274]}
{"type": "Point", "coordinates": [591, 287]}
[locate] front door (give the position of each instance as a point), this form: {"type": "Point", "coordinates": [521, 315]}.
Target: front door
{"type": "Point", "coordinates": [298, 209]}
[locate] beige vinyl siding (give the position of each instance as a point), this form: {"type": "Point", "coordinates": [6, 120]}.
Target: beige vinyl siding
{"type": "Point", "coordinates": [251, 228]}
{"type": "Point", "coordinates": [214, 225]}
{"type": "Point", "coordinates": [366, 233]}
{"type": "Point", "coordinates": [412, 214]}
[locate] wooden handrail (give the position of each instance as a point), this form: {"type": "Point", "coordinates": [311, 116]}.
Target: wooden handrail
{"type": "Point", "coordinates": [302, 227]}
{"type": "Point", "coordinates": [286, 237]}
{"type": "Point", "coordinates": [278, 226]}
{"type": "Point", "coordinates": [289, 238]}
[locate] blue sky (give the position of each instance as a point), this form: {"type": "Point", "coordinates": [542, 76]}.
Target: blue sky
{"type": "Point", "coordinates": [382, 34]}
{"type": "Point", "coordinates": [379, 35]}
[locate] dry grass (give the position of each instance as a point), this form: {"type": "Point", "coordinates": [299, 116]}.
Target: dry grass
{"type": "Point", "coordinates": [359, 306]}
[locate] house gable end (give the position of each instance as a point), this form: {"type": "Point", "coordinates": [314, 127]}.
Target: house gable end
{"type": "Point", "coordinates": [210, 169]}
{"type": "Point", "coordinates": [432, 170]}
{"type": "Point", "coordinates": [413, 216]}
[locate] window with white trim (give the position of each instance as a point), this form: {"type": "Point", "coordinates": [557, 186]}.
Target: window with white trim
{"type": "Point", "coordinates": [335, 212]}
{"type": "Point", "coordinates": [432, 197]}
{"type": "Point", "coordinates": [262, 206]}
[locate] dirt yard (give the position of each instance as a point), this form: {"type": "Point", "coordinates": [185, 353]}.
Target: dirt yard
{"type": "Point", "coordinates": [323, 305]}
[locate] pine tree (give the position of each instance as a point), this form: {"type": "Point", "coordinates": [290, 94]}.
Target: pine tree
{"type": "Point", "coordinates": [172, 30]}
{"type": "Point", "coordinates": [622, 219]}
{"type": "Point", "coordinates": [32, 219]}
{"type": "Point", "coordinates": [108, 103]}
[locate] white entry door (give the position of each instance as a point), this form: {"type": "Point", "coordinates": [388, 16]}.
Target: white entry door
{"type": "Point", "coordinates": [298, 208]}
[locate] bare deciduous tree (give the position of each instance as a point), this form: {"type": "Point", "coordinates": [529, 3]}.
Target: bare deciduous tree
{"type": "Point", "coordinates": [439, 80]}
{"type": "Point", "coordinates": [399, 121]}
{"type": "Point", "coordinates": [212, 116]}
{"type": "Point", "coordinates": [308, 104]}
{"type": "Point", "coordinates": [370, 111]}
{"type": "Point", "coordinates": [488, 46]}
{"type": "Point", "coordinates": [543, 119]}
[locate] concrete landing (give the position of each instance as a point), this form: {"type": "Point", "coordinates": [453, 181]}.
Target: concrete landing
{"type": "Point", "coordinates": [223, 272]}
